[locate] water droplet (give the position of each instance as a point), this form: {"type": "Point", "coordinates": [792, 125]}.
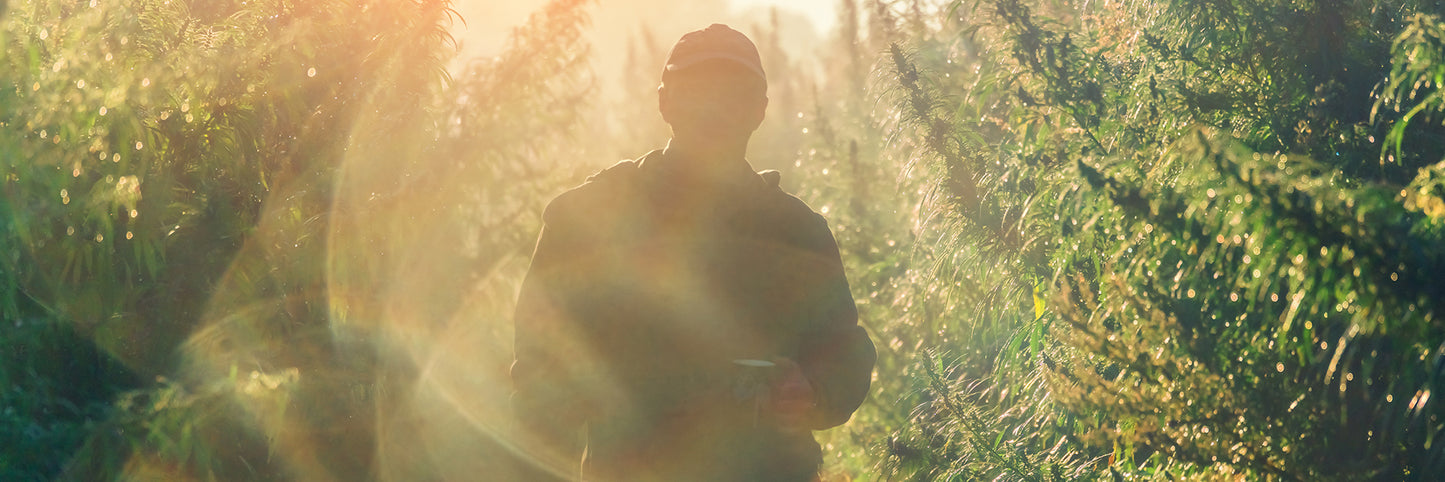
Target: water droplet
{"type": "Point", "coordinates": [70, 230]}
{"type": "Point", "coordinates": [129, 235]}
{"type": "Point", "coordinates": [124, 40]}
{"type": "Point", "coordinates": [80, 84]}
{"type": "Point", "coordinates": [99, 238]}
{"type": "Point", "coordinates": [1279, 367]}
{"type": "Point", "coordinates": [186, 106]}
{"type": "Point", "coordinates": [92, 3]}
{"type": "Point", "coordinates": [44, 34]}
{"type": "Point", "coordinates": [311, 72]}
{"type": "Point", "coordinates": [190, 117]}
{"type": "Point", "coordinates": [165, 115]}
{"type": "Point", "coordinates": [145, 82]}
{"type": "Point", "coordinates": [102, 110]}
{"type": "Point", "coordinates": [134, 213]}
{"type": "Point", "coordinates": [35, 87]}
{"type": "Point", "coordinates": [115, 157]}
{"type": "Point", "coordinates": [139, 145]}
{"type": "Point", "coordinates": [1210, 193]}
{"type": "Point", "coordinates": [44, 134]}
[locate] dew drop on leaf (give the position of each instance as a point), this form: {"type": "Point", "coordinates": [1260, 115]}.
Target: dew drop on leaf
{"type": "Point", "coordinates": [311, 72]}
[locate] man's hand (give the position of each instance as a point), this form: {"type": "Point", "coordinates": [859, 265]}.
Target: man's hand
{"type": "Point", "coordinates": [794, 403]}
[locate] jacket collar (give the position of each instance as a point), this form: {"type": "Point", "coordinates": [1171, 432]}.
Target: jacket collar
{"type": "Point", "coordinates": [662, 167]}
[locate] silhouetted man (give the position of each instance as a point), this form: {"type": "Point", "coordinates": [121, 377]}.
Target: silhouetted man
{"type": "Point", "coordinates": [684, 319]}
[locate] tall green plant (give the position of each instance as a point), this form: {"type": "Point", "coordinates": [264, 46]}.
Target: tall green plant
{"type": "Point", "coordinates": [178, 182]}
{"type": "Point", "coordinates": [1209, 307]}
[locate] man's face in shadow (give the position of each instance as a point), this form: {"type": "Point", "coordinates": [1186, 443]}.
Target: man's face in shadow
{"type": "Point", "coordinates": [713, 99]}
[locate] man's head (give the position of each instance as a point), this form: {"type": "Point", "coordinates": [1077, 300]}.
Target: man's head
{"type": "Point", "coordinates": [713, 85]}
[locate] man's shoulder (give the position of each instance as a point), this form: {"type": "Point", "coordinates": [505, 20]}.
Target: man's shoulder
{"type": "Point", "coordinates": [779, 200]}
{"type": "Point", "coordinates": [605, 188]}
{"type": "Point", "coordinates": [798, 221]}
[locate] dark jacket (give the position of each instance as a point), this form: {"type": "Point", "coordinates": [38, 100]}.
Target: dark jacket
{"type": "Point", "coordinates": [643, 290]}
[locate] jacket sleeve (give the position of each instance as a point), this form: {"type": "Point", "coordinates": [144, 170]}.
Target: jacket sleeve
{"type": "Point", "coordinates": [546, 388]}
{"type": "Point", "coordinates": [835, 354]}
